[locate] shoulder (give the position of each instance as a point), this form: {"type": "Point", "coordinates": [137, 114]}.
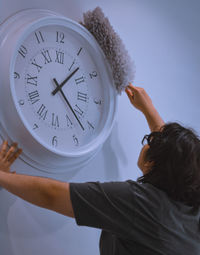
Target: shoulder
{"type": "Point", "coordinates": [148, 200]}
{"type": "Point", "coordinates": [146, 190]}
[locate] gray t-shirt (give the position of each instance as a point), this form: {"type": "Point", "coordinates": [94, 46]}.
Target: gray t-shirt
{"type": "Point", "coordinates": [136, 218]}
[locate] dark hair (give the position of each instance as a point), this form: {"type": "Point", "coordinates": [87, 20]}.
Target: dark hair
{"type": "Point", "coordinates": [175, 151]}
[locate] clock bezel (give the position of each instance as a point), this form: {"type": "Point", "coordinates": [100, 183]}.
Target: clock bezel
{"type": "Point", "coordinates": [108, 117]}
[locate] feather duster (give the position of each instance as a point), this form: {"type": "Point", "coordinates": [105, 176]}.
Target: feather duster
{"type": "Point", "coordinates": [123, 68]}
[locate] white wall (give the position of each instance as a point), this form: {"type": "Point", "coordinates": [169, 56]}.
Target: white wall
{"type": "Point", "coordinates": [163, 38]}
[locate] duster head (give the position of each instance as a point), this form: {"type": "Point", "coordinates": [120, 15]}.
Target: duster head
{"type": "Point", "coordinates": [123, 68]}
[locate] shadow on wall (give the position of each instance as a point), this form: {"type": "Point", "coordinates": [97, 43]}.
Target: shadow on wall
{"type": "Point", "coordinates": [16, 217]}
{"type": "Point", "coordinates": [4, 228]}
{"type": "Point", "coordinates": [31, 222]}
{"type": "Point", "coordinates": [113, 154]}
{"type": "Point", "coordinates": [66, 8]}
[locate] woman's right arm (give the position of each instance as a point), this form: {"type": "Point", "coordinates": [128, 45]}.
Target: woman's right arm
{"type": "Point", "coordinates": [141, 100]}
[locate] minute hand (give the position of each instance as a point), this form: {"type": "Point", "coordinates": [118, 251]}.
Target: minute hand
{"type": "Point", "coordinates": [63, 83]}
{"type": "Point", "coordinates": [68, 103]}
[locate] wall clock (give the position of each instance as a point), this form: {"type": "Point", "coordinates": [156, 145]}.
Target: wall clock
{"type": "Point", "coordinates": [57, 96]}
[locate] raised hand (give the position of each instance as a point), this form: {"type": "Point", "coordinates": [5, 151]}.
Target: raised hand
{"type": "Point", "coordinates": [8, 155]}
{"type": "Point", "coordinates": [139, 98]}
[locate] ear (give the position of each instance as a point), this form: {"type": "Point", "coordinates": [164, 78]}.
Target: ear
{"type": "Point", "coordinates": [148, 164]}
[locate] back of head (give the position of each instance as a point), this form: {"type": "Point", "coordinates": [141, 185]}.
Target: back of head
{"type": "Point", "coordinates": [175, 151]}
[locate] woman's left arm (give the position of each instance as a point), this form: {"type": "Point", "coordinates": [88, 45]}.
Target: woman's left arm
{"type": "Point", "coordinates": [44, 192]}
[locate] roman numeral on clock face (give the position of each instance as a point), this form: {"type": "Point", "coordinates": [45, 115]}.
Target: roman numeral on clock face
{"type": "Point", "coordinates": [31, 80]}
{"type": "Point", "coordinates": [90, 125]}
{"type": "Point", "coordinates": [34, 96]}
{"type": "Point", "coordinates": [79, 51]}
{"type": "Point", "coordinates": [59, 57]}
{"type": "Point", "coordinates": [79, 80]}
{"type": "Point", "coordinates": [72, 65]}
{"type": "Point", "coordinates": [36, 65]}
{"type": "Point", "coordinates": [42, 112]}
{"type": "Point", "coordinates": [69, 122]}
{"type": "Point", "coordinates": [78, 110]}
{"type": "Point", "coordinates": [39, 37]}
{"type": "Point", "coordinates": [55, 121]}
{"type": "Point", "coordinates": [82, 96]}
{"type": "Point", "coordinates": [46, 55]}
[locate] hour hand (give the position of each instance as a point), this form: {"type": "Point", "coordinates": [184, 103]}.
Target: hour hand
{"type": "Point", "coordinates": [63, 83]}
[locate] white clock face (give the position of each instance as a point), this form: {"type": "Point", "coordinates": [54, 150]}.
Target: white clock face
{"type": "Point", "coordinates": [59, 88]}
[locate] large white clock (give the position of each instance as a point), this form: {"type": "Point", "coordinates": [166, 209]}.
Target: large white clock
{"type": "Point", "coordinates": [57, 97]}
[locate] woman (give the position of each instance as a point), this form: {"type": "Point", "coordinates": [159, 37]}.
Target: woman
{"type": "Point", "coordinates": [158, 214]}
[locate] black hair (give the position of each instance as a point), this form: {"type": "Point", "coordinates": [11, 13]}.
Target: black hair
{"type": "Point", "coordinates": [175, 152]}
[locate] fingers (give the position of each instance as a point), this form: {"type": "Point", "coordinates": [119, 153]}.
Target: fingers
{"type": "Point", "coordinates": [129, 94]}
{"type": "Point", "coordinates": [11, 150]}
{"type": "Point", "coordinates": [132, 88]}
{"type": "Point", "coordinates": [10, 155]}
{"type": "Point", "coordinates": [15, 155]}
{"type": "Point", "coordinates": [3, 149]}
{"type": "Point", "coordinates": [135, 89]}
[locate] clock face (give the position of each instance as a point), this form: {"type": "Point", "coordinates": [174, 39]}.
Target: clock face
{"type": "Point", "coordinates": [59, 88]}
